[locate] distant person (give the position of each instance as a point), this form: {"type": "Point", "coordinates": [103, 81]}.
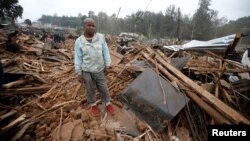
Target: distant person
{"type": "Point", "coordinates": [11, 44]}
{"type": "Point", "coordinates": [48, 44]}
{"type": "Point", "coordinates": [122, 49]}
{"type": "Point", "coordinates": [123, 42]}
{"type": "Point", "coordinates": [56, 38]}
{"type": "Point", "coordinates": [92, 60]}
{"type": "Point", "coordinates": [44, 35]}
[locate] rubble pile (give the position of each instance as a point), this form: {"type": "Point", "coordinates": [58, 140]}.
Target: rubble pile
{"type": "Point", "coordinates": [42, 98]}
{"type": "Point", "coordinates": [3, 37]}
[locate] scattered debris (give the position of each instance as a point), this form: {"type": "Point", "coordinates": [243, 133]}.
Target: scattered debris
{"type": "Point", "coordinates": [42, 99]}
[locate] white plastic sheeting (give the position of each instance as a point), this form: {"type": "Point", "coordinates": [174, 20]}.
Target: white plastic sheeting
{"type": "Point", "coordinates": [245, 59]}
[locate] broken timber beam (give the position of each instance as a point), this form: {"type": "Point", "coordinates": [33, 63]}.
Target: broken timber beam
{"type": "Point", "coordinates": [207, 108]}
{"type": "Point", "coordinates": [226, 60]}
{"type": "Point", "coordinates": [19, 82]}
{"type": "Point", "coordinates": [6, 115]}
{"type": "Point", "coordinates": [13, 123]}
{"type": "Point", "coordinates": [22, 91]}
{"type": "Point", "coordinates": [220, 106]}
{"type": "Point", "coordinates": [231, 47]}
{"type": "Point", "coordinates": [210, 70]}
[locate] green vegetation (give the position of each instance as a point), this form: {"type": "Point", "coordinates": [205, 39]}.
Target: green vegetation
{"type": "Point", "coordinates": [10, 10]}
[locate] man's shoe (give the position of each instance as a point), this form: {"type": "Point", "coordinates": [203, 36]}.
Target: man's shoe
{"type": "Point", "coordinates": [110, 109]}
{"type": "Point", "coordinates": [95, 111]}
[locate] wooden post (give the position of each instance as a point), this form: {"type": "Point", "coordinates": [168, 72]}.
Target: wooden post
{"type": "Point", "coordinates": [218, 104]}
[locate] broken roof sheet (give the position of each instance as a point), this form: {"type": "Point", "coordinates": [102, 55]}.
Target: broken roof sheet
{"type": "Point", "coordinates": [218, 43]}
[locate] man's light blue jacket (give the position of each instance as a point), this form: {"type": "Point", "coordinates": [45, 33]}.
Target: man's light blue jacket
{"type": "Point", "coordinates": [91, 57]}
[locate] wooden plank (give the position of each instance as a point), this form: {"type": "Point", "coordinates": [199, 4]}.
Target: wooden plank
{"type": "Point", "coordinates": [231, 47]}
{"type": "Point", "coordinates": [13, 123]}
{"type": "Point", "coordinates": [164, 56]}
{"type": "Point", "coordinates": [21, 91]}
{"type": "Point", "coordinates": [238, 65]}
{"type": "Point", "coordinates": [20, 133]}
{"type": "Point", "coordinates": [10, 113]}
{"type": "Point", "coordinates": [115, 57]}
{"type": "Point", "coordinates": [207, 108]}
{"type": "Point", "coordinates": [19, 82]}
{"type": "Point", "coordinates": [210, 70]}
{"type": "Point", "coordinates": [222, 107]}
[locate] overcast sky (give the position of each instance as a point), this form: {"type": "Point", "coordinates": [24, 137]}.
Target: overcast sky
{"type": "Point", "coordinates": [33, 9]}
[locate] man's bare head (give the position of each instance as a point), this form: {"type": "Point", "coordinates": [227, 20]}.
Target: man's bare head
{"type": "Point", "coordinates": [88, 20]}
{"type": "Point", "coordinates": [89, 26]}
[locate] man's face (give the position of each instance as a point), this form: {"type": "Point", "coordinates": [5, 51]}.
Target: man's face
{"type": "Point", "coordinates": [90, 27]}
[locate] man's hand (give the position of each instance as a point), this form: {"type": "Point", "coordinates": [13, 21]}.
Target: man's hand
{"type": "Point", "coordinates": [107, 70]}
{"type": "Point", "coordinates": [80, 79]}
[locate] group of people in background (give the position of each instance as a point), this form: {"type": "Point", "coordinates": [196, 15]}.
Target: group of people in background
{"type": "Point", "coordinates": [57, 35]}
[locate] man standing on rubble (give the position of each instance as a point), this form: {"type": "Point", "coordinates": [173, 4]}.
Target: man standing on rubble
{"type": "Point", "coordinates": [92, 60]}
{"type": "Point", "coordinates": [48, 44]}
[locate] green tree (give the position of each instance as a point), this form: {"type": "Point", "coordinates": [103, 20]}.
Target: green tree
{"type": "Point", "coordinates": [203, 21]}
{"type": "Point", "coordinates": [186, 27]}
{"type": "Point", "coordinates": [169, 25]}
{"type": "Point", "coordinates": [91, 14]}
{"type": "Point", "coordinates": [28, 22]}
{"type": "Point", "coordinates": [240, 25]}
{"type": "Point", "coordinates": [102, 22]}
{"type": "Point", "coordinates": [10, 10]}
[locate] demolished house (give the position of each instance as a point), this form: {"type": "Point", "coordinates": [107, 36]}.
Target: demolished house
{"type": "Point", "coordinates": [158, 95]}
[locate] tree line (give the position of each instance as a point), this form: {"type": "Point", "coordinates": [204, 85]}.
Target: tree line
{"type": "Point", "coordinates": [204, 24]}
